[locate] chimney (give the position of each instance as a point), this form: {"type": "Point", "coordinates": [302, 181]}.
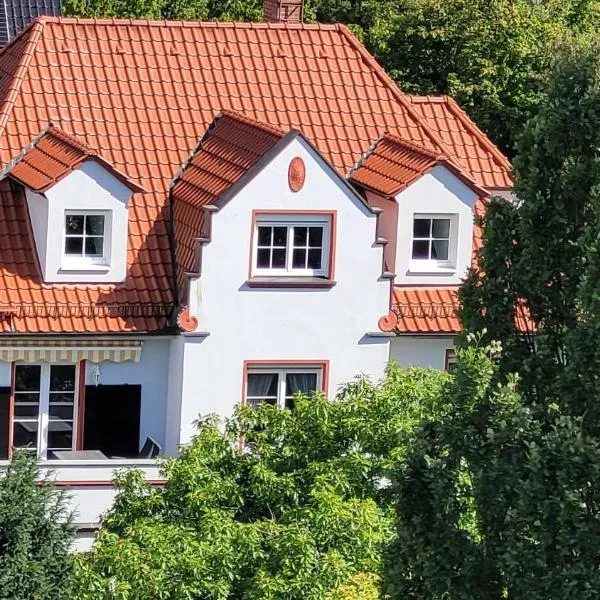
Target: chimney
{"type": "Point", "coordinates": [284, 11]}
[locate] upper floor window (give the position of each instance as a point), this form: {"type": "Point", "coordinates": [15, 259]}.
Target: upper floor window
{"type": "Point", "coordinates": [85, 235]}
{"type": "Point", "coordinates": [285, 246]}
{"type": "Point", "coordinates": [279, 386]}
{"type": "Point", "coordinates": [434, 240]}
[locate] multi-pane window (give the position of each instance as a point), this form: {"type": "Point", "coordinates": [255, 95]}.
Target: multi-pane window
{"type": "Point", "coordinates": [292, 248]}
{"type": "Point", "coordinates": [450, 360]}
{"type": "Point", "coordinates": [279, 386]}
{"type": "Point", "coordinates": [431, 238]}
{"type": "Point", "coordinates": [45, 400]}
{"type": "Point", "coordinates": [85, 235]}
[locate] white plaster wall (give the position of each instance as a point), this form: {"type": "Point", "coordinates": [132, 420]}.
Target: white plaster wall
{"type": "Point", "coordinates": [38, 215]}
{"type": "Point", "coordinates": [89, 187]}
{"type": "Point", "coordinates": [90, 502]}
{"type": "Point", "coordinates": [420, 351]}
{"type": "Point", "coordinates": [439, 192]}
{"type": "Point", "coordinates": [152, 373]}
{"type": "Point", "coordinates": [174, 399]}
{"type": "Point", "coordinates": [283, 324]}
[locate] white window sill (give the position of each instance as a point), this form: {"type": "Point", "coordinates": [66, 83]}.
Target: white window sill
{"type": "Point", "coordinates": [430, 268]}
{"type": "Point", "coordinates": [77, 266]}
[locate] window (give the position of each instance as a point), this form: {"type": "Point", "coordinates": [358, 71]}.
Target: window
{"type": "Point", "coordinates": [431, 238]}
{"type": "Point", "coordinates": [45, 401]}
{"type": "Point", "coordinates": [284, 248]}
{"type": "Point", "coordinates": [450, 360]}
{"type": "Point", "coordinates": [85, 236]}
{"type": "Point", "coordinates": [278, 386]}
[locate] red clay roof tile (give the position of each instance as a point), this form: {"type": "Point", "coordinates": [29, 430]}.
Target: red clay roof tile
{"type": "Point", "coordinates": [426, 309]}
{"type": "Point", "coordinates": [53, 155]}
{"type": "Point", "coordinates": [392, 164]}
{"type": "Point", "coordinates": [143, 93]}
{"type": "Point", "coordinates": [464, 141]}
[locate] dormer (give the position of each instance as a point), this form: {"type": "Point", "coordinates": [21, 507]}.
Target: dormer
{"type": "Point", "coordinates": [428, 208]}
{"type": "Point", "coordinates": [78, 209]}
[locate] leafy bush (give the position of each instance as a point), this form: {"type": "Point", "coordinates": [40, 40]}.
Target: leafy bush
{"type": "Point", "coordinates": [301, 510]}
{"type": "Point", "coordinates": [35, 535]}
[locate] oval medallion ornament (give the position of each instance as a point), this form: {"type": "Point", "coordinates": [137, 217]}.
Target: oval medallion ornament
{"type": "Point", "coordinates": [297, 174]}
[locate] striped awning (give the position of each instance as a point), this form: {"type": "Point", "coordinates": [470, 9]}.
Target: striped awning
{"type": "Point", "coordinates": [72, 351]}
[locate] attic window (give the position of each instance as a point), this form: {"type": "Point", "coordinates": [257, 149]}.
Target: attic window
{"type": "Point", "coordinates": [434, 243]}
{"type": "Point", "coordinates": [86, 238]}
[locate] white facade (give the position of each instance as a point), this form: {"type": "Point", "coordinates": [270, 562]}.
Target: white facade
{"type": "Point", "coordinates": [421, 351]}
{"type": "Point", "coordinates": [277, 323]}
{"type": "Point", "coordinates": [329, 321]}
{"type": "Point", "coordinates": [439, 193]}
{"type": "Point", "coordinates": [88, 189]}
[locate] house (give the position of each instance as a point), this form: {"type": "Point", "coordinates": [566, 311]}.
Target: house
{"type": "Point", "coordinates": [15, 15]}
{"type": "Point", "coordinates": [200, 214]}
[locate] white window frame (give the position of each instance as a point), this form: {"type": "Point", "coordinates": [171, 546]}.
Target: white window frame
{"type": "Point", "coordinates": [76, 262]}
{"type": "Point", "coordinates": [282, 372]}
{"type": "Point", "coordinates": [420, 265]}
{"type": "Point", "coordinates": [323, 221]}
{"type": "Point", "coordinates": [43, 417]}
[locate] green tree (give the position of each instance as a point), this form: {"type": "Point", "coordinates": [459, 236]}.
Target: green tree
{"type": "Point", "coordinates": [300, 512]}
{"type": "Point", "coordinates": [35, 535]}
{"type": "Point", "coordinates": [536, 288]}
{"type": "Point", "coordinates": [496, 501]}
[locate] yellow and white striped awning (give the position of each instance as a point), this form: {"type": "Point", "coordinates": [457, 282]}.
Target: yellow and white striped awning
{"type": "Point", "coordinates": [71, 351]}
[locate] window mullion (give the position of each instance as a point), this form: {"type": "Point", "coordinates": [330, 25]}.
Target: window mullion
{"type": "Point", "coordinates": [289, 248]}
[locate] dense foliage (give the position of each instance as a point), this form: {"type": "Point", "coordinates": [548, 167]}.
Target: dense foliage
{"type": "Point", "coordinates": [493, 56]}
{"type": "Point", "coordinates": [35, 536]}
{"type": "Point", "coordinates": [537, 288]}
{"type": "Point", "coordinates": [300, 513]}
{"type": "Point", "coordinates": [498, 499]}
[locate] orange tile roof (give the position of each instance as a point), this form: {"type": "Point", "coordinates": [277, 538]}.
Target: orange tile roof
{"type": "Point", "coordinates": [425, 310]}
{"type": "Point", "coordinates": [232, 145]}
{"type": "Point", "coordinates": [143, 94]}
{"type": "Point", "coordinates": [53, 155]}
{"type": "Point", "coordinates": [29, 306]}
{"type": "Point", "coordinates": [393, 164]}
{"type": "Point", "coordinates": [464, 141]}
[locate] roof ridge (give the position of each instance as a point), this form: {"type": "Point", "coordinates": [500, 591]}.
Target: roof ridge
{"type": "Point", "coordinates": [390, 84]}
{"type": "Point", "coordinates": [183, 23]}
{"type": "Point", "coordinates": [397, 140]}
{"type": "Point", "coordinates": [414, 147]}
{"type": "Point", "coordinates": [35, 30]}
{"type": "Point", "coordinates": [87, 152]}
{"type": "Point", "coordinates": [481, 137]}
{"type": "Point", "coordinates": [56, 131]}
{"type": "Point", "coordinates": [222, 113]}
{"type": "Point", "coordinates": [238, 116]}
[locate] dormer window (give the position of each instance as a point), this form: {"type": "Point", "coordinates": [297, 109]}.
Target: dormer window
{"type": "Point", "coordinates": [434, 242]}
{"type": "Point", "coordinates": [78, 208]}
{"type": "Point", "coordinates": [85, 236]}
